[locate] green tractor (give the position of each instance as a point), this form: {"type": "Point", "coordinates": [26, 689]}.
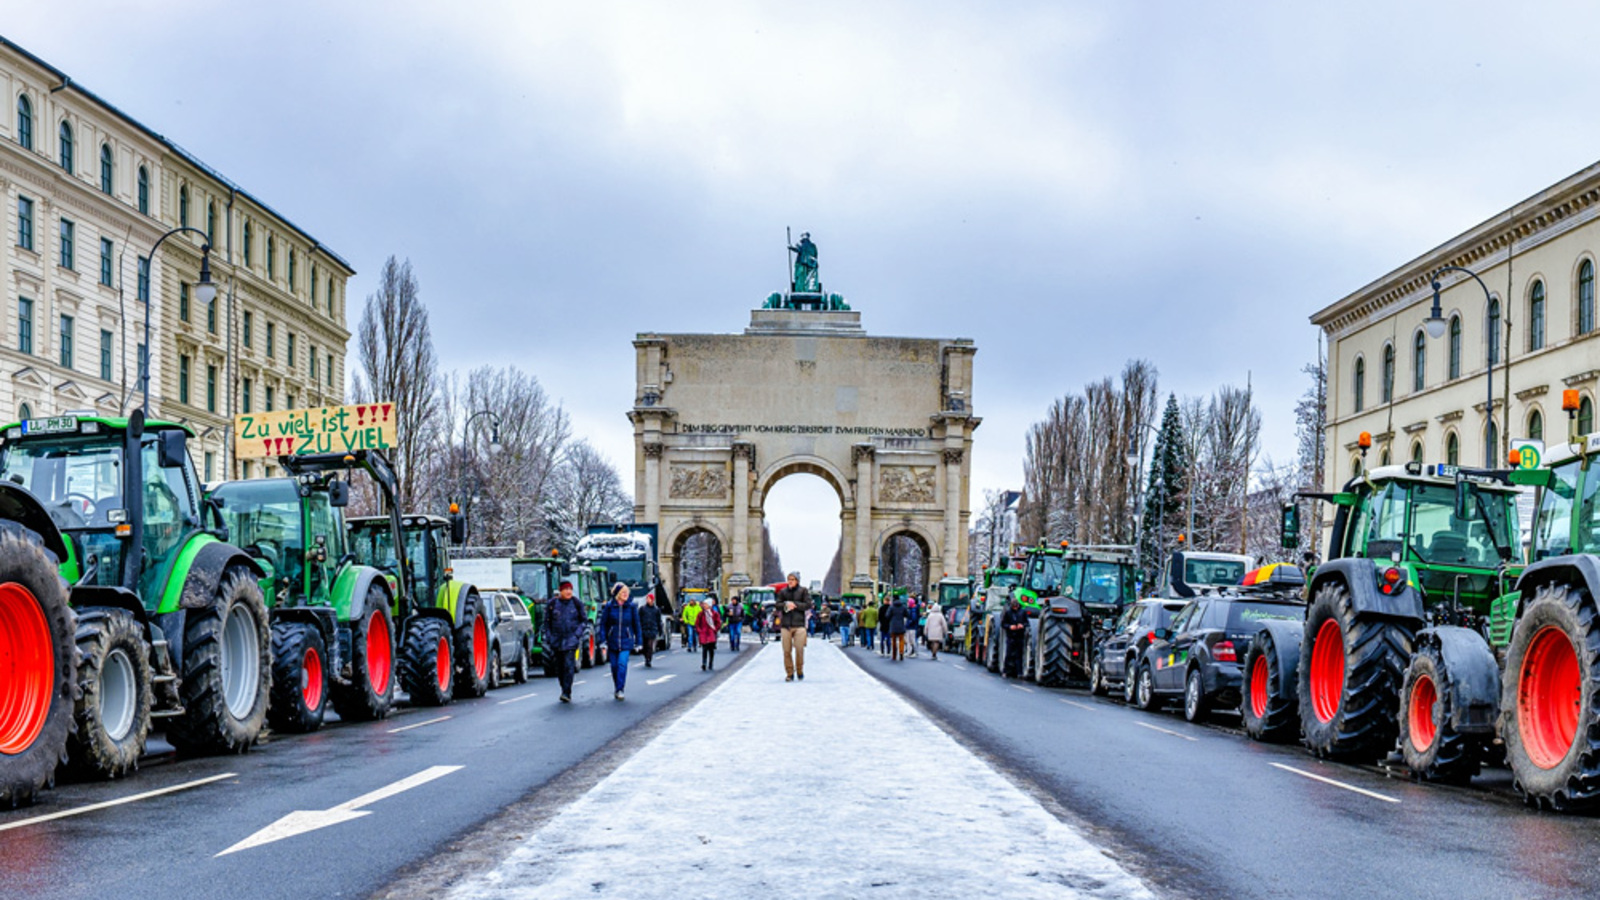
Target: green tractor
{"type": "Point", "coordinates": [332, 619]}
{"type": "Point", "coordinates": [537, 580]}
{"type": "Point", "coordinates": [38, 660]}
{"type": "Point", "coordinates": [954, 596]}
{"type": "Point", "coordinates": [1405, 564]}
{"type": "Point", "coordinates": [984, 608]}
{"type": "Point", "coordinates": [592, 585]}
{"type": "Point", "coordinates": [1069, 594]}
{"type": "Point", "coordinates": [444, 646]}
{"type": "Point", "coordinates": [171, 623]}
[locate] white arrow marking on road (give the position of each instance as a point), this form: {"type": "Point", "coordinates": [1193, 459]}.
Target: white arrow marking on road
{"type": "Point", "coordinates": [515, 699]}
{"type": "Point", "coordinates": [302, 820]}
{"type": "Point", "coordinates": [661, 679]}
{"type": "Point", "coordinates": [118, 802]}
{"type": "Point", "coordinates": [1348, 787]}
{"type": "Point", "coordinates": [1166, 731]}
{"type": "Point", "coordinates": [1080, 705]}
{"type": "Point", "coordinates": [418, 725]}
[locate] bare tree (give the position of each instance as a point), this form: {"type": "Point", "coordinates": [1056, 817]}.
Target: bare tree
{"type": "Point", "coordinates": [771, 563]}
{"type": "Point", "coordinates": [587, 491]}
{"type": "Point", "coordinates": [395, 345]}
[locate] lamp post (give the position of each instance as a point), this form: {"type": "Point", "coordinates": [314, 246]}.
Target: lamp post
{"type": "Point", "coordinates": [204, 291]}
{"type": "Point", "coordinates": [494, 442]}
{"type": "Point", "coordinates": [1435, 326]}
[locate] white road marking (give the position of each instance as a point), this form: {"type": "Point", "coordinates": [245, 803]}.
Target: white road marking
{"type": "Point", "coordinates": [576, 683]}
{"type": "Point", "coordinates": [302, 820]}
{"type": "Point", "coordinates": [1167, 731]}
{"type": "Point", "coordinates": [417, 725]}
{"type": "Point", "coordinates": [1080, 705]}
{"type": "Point", "coordinates": [1021, 688]}
{"type": "Point", "coordinates": [517, 699]}
{"type": "Point", "coordinates": [661, 679]}
{"type": "Point", "coordinates": [960, 666]}
{"type": "Point", "coordinates": [118, 802]}
{"type": "Point", "coordinates": [1349, 787]}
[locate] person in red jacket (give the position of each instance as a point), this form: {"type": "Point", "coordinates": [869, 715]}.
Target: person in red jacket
{"type": "Point", "coordinates": [706, 628]}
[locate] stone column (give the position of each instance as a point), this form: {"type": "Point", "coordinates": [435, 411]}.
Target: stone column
{"type": "Point", "coordinates": [952, 511]}
{"type": "Point", "coordinates": [652, 483]}
{"type": "Point", "coordinates": [743, 455]}
{"type": "Point", "coordinates": [863, 456]}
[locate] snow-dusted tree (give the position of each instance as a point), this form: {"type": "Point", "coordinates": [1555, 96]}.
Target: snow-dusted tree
{"type": "Point", "coordinates": [1310, 423]}
{"type": "Point", "coordinates": [771, 564]}
{"type": "Point", "coordinates": [394, 345]}
{"type": "Point", "coordinates": [586, 491]}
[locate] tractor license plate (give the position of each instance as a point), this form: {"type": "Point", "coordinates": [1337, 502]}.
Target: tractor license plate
{"type": "Point", "coordinates": [56, 425]}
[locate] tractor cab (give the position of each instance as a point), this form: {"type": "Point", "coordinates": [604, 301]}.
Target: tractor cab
{"type": "Point", "coordinates": [1190, 573]}
{"type": "Point", "coordinates": [294, 527]}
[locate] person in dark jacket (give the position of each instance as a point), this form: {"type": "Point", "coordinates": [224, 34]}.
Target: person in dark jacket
{"type": "Point", "coordinates": [735, 624]}
{"type": "Point", "coordinates": [1014, 627]}
{"type": "Point", "coordinates": [899, 617]}
{"type": "Point", "coordinates": [619, 628]}
{"type": "Point", "coordinates": [566, 625]}
{"type": "Point", "coordinates": [794, 602]}
{"type": "Point", "coordinates": [649, 626]}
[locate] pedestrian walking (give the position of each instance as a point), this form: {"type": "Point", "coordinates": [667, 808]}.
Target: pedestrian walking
{"type": "Point", "coordinates": [794, 605]}
{"type": "Point", "coordinates": [649, 626]}
{"type": "Point", "coordinates": [913, 625]}
{"type": "Point", "coordinates": [706, 626]}
{"type": "Point", "coordinates": [735, 624]}
{"type": "Point", "coordinates": [619, 628]}
{"type": "Point", "coordinates": [883, 628]}
{"type": "Point", "coordinates": [691, 611]}
{"type": "Point", "coordinates": [899, 623]}
{"type": "Point", "coordinates": [935, 629]}
{"type": "Point", "coordinates": [868, 625]}
{"type": "Point", "coordinates": [1014, 625]}
{"type": "Point", "coordinates": [566, 626]}
{"type": "Point", "coordinates": [846, 619]}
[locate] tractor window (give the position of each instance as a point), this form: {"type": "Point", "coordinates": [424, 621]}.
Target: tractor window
{"type": "Point", "coordinates": [532, 579]}
{"type": "Point", "coordinates": [1555, 513]}
{"type": "Point", "coordinates": [1589, 513]}
{"type": "Point", "coordinates": [1213, 571]}
{"type": "Point", "coordinates": [325, 521]}
{"type": "Point", "coordinates": [373, 543]}
{"type": "Point", "coordinates": [953, 594]}
{"type": "Point", "coordinates": [78, 482]}
{"type": "Point", "coordinates": [168, 516]}
{"type": "Point", "coordinates": [1103, 583]}
{"type": "Point", "coordinates": [1044, 574]}
{"type": "Point", "coordinates": [263, 517]}
{"type": "Point", "coordinates": [1387, 532]}
{"type": "Point", "coordinates": [1437, 536]}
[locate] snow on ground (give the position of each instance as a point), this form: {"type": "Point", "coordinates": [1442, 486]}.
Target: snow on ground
{"type": "Point", "coordinates": [828, 787]}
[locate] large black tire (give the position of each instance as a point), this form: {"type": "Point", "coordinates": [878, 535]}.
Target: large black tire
{"type": "Point", "coordinates": [299, 677]}
{"type": "Point", "coordinates": [113, 709]}
{"type": "Point", "coordinates": [473, 645]}
{"type": "Point", "coordinates": [1269, 698]}
{"type": "Point", "coordinates": [227, 670]}
{"type": "Point", "coordinates": [38, 666]}
{"type": "Point", "coordinates": [1350, 693]}
{"type": "Point", "coordinates": [992, 652]}
{"type": "Point", "coordinates": [427, 670]}
{"type": "Point", "coordinates": [1433, 749]}
{"type": "Point", "coordinates": [369, 693]}
{"type": "Point", "coordinates": [1550, 700]}
{"type": "Point", "coordinates": [519, 670]}
{"type": "Point", "coordinates": [1054, 660]}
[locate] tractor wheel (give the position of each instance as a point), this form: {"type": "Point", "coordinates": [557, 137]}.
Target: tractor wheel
{"type": "Point", "coordinates": [1097, 679]}
{"type": "Point", "coordinates": [227, 670]}
{"type": "Point", "coordinates": [38, 661]}
{"type": "Point", "coordinates": [1144, 691]}
{"type": "Point", "coordinates": [113, 710]}
{"type": "Point", "coordinates": [426, 669]}
{"type": "Point", "coordinates": [519, 670]}
{"type": "Point", "coordinates": [1195, 706]}
{"type": "Point", "coordinates": [1550, 700]}
{"type": "Point", "coordinates": [1054, 659]}
{"type": "Point", "coordinates": [472, 652]}
{"type": "Point", "coordinates": [991, 655]}
{"type": "Point", "coordinates": [369, 695]}
{"type": "Point", "coordinates": [1432, 747]}
{"type": "Point", "coordinates": [1350, 672]}
{"type": "Point", "coordinates": [1269, 700]}
{"type": "Point", "coordinates": [551, 667]}
{"type": "Point", "coordinates": [299, 677]}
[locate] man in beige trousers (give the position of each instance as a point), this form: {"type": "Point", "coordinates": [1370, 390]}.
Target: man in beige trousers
{"type": "Point", "coordinates": [793, 603]}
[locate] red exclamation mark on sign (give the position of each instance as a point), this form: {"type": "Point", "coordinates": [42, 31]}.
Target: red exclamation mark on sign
{"type": "Point", "coordinates": [361, 415]}
{"type": "Point", "coordinates": [266, 446]}
{"type": "Point", "coordinates": [386, 408]}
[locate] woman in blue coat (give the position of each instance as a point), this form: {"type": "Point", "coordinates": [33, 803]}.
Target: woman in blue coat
{"type": "Point", "coordinates": [619, 628]}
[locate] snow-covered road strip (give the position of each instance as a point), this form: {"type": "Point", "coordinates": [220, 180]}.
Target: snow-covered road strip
{"type": "Point", "coordinates": [828, 787]}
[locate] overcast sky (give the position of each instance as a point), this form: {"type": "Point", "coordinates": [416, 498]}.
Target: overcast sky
{"type": "Point", "coordinates": [1069, 184]}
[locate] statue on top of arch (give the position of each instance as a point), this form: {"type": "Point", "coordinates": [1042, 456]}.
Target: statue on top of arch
{"type": "Point", "coordinates": [805, 285]}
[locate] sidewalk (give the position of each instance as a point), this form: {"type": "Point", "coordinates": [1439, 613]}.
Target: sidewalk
{"type": "Point", "coordinates": [830, 787]}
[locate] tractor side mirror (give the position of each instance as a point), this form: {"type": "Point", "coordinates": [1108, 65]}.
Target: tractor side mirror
{"type": "Point", "coordinates": [1290, 537]}
{"type": "Point", "coordinates": [1463, 510]}
{"type": "Point", "coordinates": [171, 450]}
{"type": "Point", "coordinates": [458, 529]}
{"type": "Point", "coordinates": [338, 493]}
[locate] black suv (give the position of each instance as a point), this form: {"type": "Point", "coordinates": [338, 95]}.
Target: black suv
{"type": "Point", "coordinates": [1119, 651]}
{"type": "Point", "coordinates": [1198, 656]}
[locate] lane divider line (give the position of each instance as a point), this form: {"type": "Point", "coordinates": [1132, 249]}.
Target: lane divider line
{"type": "Point", "coordinates": [517, 699]}
{"type": "Point", "coordinates": [417, 725]}
{"type": "Point", "coordinates": [118, 802]}
{"type": "Point", "coordinates": [960, 666]}
{"type": "Point", "coordinates": [1021, 688]}
{"type": "Point", "coordinates": [1349, 787]}
{"type": "Point", "coordinates": [1177, 734]}
{"type": "Point", "coordinates": [661, 679]}
{"type": "Point", "coordinates": [1080, 705]}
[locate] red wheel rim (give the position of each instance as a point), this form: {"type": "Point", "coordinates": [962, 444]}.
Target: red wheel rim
{"type": "Point", "coordinates": [27, 664]}
{"type": "Point", "coordinates": [442, 663]}
{"type": "Point", "coordinates": [380, 659]}
{"type": "Point", "coordinates": [311, 679]}
{"type": "Point", "coordinates": [1419, 714]}
{"type": "Point", "coordinates": [1327, 670]}
{"type": "Point", "coordinates": [480, 647]}
{"type": "Point", "coordinates": [1548, 696]}
{"type": "Point", "coordinates": [1258, 687]}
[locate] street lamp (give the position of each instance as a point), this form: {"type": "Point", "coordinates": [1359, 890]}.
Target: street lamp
{"type": "Point", "coordinates": [205, 292]}
{"type": "Point", "coordinates": [494, 442]}
{"type": "Point", "coordinates": [1435, 328]}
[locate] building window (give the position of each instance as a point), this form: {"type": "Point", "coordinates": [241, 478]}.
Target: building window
{"type": "Point", "coordinates": [247, 329]}
{"type": "Point", "coordinates": [24, 121]}
{"type": "Point", "coordinates": [211, 465]}
{"type": "Point", "coordinates": [1494, 330]}
{"type": "Point", "coordinates": [1535, 318]}
{"type": "Point", "coordinates": [183, 301]}
{"type": "Point", "coordinates": [248, 238]}
{"type": "Point", "coordinates": [329, 373]}
{"type": "Point", "coordinates": [271, 250]}
{"type": "Point", "coordinates": [66, 147]}
{"type": "Point", "coordinates": [268, 407]}
{"type": "Point", "coordinates": [211, 223]}
{"type": "Point", "coordinates": [289, 351]}
{"type": "Point", "coordinates": [211, 388]}
{"type": "Point", "coordinates": [211, 316]}
{"type": "Point", "coordinates": [107, 342]}
{"type": "Point", "coordinates": [244, 395]}
{"type": "Point", "coordinates": [1361, 384]}
{"type": "Point", "coordinates": [311, 361]}
{"type": "Point", "coordinates": [106, 251]}
{"type": "Point", "coordinates": [25, 223]}
{"type": "Point", "coordinates": [183, 379]}
{"type": "Point", "coordinates": [313, 284]}
{"type": "Point", "coordinates": [1452, 449]}
{"type": "Point", "coordinates": [25, 325]}
{"type": "Point", "coordinates": [144, 279]}
{"type": "Point", "coordinates": [1355, 467]}
{"type": "Point", "coordinates": [107, 167]}
{"type": "Point", "coordinates": [144, 191]}
{"type": "Point", "coordinates": [1416, 452]}
{"type": "Point", "coordinates": [1536, 425]}
{"type": "Point", "coordinates": [1419, 362]}
{"type": "Point", "coordinates": [272, 335]}
{"type": "Point", "coordinates": [1455, 348]}
{"type": "Point", "coordinates": [1586, 297]}
{"type": "Point", "coordinates": [1384, 459]}
{"type": "Point", "coordinates": [66, 342]}
{"type": "Point", "coordinates": [1585, 416]}
{"type": "Point", "coordinates": [288, 400]}
{"type": "Point", "coordinates": [330, 296]}
{"type": "Point", "coordinates": [24, 412]}
{"type": "Point", "coordinates": [183, 206]}
{"type": "Point", "coordinates": [68, 242]}
{"type": "Point", "coordinates": [290, 274]}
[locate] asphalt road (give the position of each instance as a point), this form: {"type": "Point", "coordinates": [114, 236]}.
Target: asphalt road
{"type": "Point", "coordinates": [1202, 811]}
{"type": "Point", "coordinates": [398, 805]}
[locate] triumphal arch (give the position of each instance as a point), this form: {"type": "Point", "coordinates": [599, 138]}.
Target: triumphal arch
{"type": "Point", "coordinates": [719, 419]}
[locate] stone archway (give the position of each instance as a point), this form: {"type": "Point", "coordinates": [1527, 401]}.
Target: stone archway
{"type": "Point", "coordinates": [887, 422]}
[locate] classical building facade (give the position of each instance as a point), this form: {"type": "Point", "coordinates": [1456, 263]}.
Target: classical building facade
{"type": "Point", "coordinates": [88, 191]}
{"type": "Point", "coordinates": [1427, 398]}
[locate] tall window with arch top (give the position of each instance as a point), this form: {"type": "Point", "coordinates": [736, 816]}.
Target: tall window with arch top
{"type": "Point", "coordinates": [1494, 330]}
{"type": "Point", "coordinates": [1536, 425]}
{"type": "Point", "coordinates": [1455, 348]}
{"type": "Point", "coordinates": [1586, 297]}
{"type": "Point", "coordinates": [66, 146]}
{"type": "Point", "coordinates": [1419, 362]}
{"type": "Point", "coordinates": [1416, 452]}
{"type": "Point", "coordinates": [144, 191]}
{"type": "Point", "coordinates": [1386, 390]}
{"type": "Point", "coordinates": [1585, 416]}
{"type": "Point", "coordinates": [1361, 384]}
{"type": "Point", "coordinates": [107, 169]}
{"type": "Point", "coordinates": [1452, 449]}
{"type": "Point", "coordinates": [1536, 317]}
{"type": "Point", "coordinates": [24, 122]}
{"type": "Point", "coordinates": [183, 205]}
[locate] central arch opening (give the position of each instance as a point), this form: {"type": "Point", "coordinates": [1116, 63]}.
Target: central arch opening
{"type": "Point", "coordinates": [903, 562]}
{"type": "Point", "coordinates": [801, 513]}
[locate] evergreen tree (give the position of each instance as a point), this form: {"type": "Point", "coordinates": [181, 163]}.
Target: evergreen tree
{"type": "Point", "coordinates": [1163, 499]}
